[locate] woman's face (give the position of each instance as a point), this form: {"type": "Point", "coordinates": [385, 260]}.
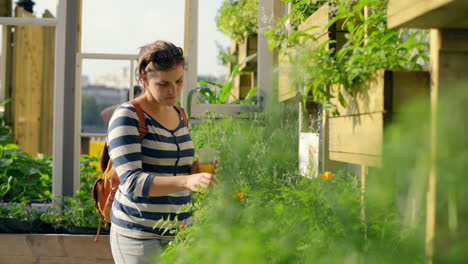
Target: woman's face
{"type": "Point", "coordinates": [165, 86]}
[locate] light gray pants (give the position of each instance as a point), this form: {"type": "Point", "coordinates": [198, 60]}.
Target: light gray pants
{"type": "Point", "coordinates": [127, 250]}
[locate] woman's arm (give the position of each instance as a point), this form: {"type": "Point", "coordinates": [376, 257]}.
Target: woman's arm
{"type": "Point", "coordinates": [125, 151]}
{"type": "Point", "coordinates": [165, 185]}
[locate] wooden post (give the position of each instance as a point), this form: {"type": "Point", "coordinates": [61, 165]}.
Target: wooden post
{"type": "Point", "coordinates": [6, 75]}
{"type": "Point", "coordinates": [27, 83]}
{"type": "Point", "coordinates": [363, 199]}
{"type": "Point", "coordinates": [449, 61]}
{"type": "Point", "coordinates": [66, 180]}
{"type": "Point", "coordinates": [268, 13]}
{"type": "Point", "coordinates": [80, 28]}
{"type": "Point", "coordinates": [47, 94]}
{"type": "Point", "coordinates": [190, 49]}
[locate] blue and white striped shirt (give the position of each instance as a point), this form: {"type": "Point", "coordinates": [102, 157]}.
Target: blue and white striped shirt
{"type": "Point", "coordinates": [162, 152]}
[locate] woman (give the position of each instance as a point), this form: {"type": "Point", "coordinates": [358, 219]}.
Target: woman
{"type": "Point", "coordinates": [156, 172]}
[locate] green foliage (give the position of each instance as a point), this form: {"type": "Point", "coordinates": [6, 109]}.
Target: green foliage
{"type": "Point", "coordinates": [280, 216]}
{"type": "Point", "coordinates": [20, 211]}
{"type": "Point", "coordinates": [23, 178]}
{"type": "Point", "coordinates": [216, 93]}
{"type": "Point", "coordinates": [65, 211]}
{"type": "Point", "coordinates": [238, 18]}
{"type": "Point", "coordinates": [224, 55]}
{"type": "Point", "coordinates": [78, 210]}
{"type": "Point", "coordinates": [288, 36]}
{"type": "Point", "coordinates": [302, 9]}
{"type": "Point", "coordinates": [325, 72]}
{"type": "Point", "coordinates": [5, 130]}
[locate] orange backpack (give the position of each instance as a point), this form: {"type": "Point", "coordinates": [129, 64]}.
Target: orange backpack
{"type": "Point", "coordinates": [104, 189]}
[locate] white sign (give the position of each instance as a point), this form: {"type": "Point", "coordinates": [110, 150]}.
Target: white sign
{"type": "Point", "coordinates": [309, 154]}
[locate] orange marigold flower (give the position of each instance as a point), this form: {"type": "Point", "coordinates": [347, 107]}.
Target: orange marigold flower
{"type": "Point", "coordinates": [181, 227]}
{"type": "Point", "coordinates": [327, 176]}
{"type": "Point", "coordinates": [240, 196]}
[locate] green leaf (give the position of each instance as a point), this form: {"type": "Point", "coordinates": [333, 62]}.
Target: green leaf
{"type": "Point", "coordinates": [5, 188]}
{"type": "Point", "coordinates": [202, 82]}
{"type": "Point", "coordinates": [5, 162]}
{"type": "Point", "coordinates": [342, 99]}
{"type": "Point", "coordinates": [189, 102]}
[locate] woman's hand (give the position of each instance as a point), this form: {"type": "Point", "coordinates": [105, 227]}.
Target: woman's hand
{"type": "Point", "coordinates": [200, 180]}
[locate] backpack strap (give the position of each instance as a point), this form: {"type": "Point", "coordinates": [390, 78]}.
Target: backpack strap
{"type": "Point", "coordinates": [142, 129]}
{"type": "Point", "coordinates": [184, 115]}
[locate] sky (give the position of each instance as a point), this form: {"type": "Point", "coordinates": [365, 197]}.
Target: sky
{"type": "Point", "coordinates": [122, 26]}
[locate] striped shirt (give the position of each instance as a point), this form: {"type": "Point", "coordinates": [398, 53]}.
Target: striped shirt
{"type": "Point", "coordinates": [162, 152]}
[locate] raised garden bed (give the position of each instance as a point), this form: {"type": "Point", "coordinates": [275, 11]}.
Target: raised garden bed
{"type": "Point", "coordinates": [54, 248]}
{"type": "Point", "coordinates": [40, 242]}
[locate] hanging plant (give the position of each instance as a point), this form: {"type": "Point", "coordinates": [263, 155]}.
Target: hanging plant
{"type": "Point", "coordinates": [323, 72]}
{"type": "Point", "coordinates": [238, 18]}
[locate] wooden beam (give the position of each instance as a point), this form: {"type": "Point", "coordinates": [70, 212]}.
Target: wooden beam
{"type": "Point", "coordinates": [428, 13]}
{"type": "Point", "coordinates": [16, 21]}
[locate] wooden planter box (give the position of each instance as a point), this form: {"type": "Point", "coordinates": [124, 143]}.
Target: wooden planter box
{"type": "Point", "coordinates": [357, 134]}
{"type": "Point", "coordinates": [319, 19]}
{"type": "Point", "coordinates": [248, 77]}
{"type": "Point", "coordinates": [428, 14]}
{"type": "Point", "coordinates": [54, 249]}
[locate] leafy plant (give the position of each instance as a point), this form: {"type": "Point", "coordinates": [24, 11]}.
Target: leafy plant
{"type": "Point", "coordinates": [5, 130]}
{"type": "Point", "coordinates": [75, 211]}
{"type": "Point", "coordinates": [23, 178]}
{"type": "Point", "coordinates": [238, 18]}
{"type": "Point", "coordinates": [285, 33]}
{"type": "Point", "coordinates": [224, 55]}
{"type": "Point", "coordinates": [216, 93]}
{"type": "Point", "coordinates": [264, 212]}
{"type": "Point", "coordinates": [325, 72]}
